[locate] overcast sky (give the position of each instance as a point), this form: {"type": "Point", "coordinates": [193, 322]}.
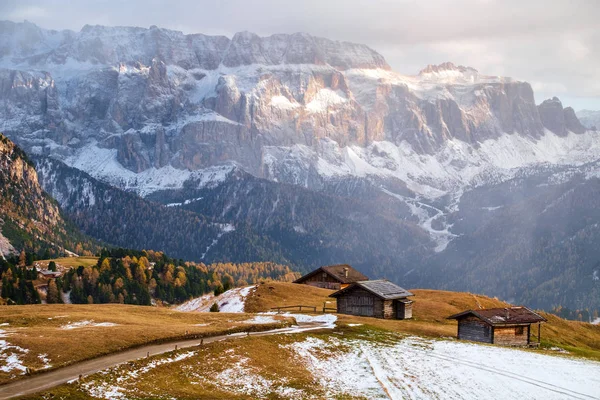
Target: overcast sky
{"type": "Point", "coordinates": [553, 44]}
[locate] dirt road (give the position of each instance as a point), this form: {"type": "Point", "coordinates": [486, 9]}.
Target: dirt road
{"type": "Point", "coordinates": [47, 380]}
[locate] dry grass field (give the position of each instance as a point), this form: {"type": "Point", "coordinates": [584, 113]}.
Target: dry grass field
{"type": "Point", "coordinates": [56, 335]}
{"type": "Point", "coordinates": [280, 294]}
{"type": "Point", "coordinates": [431, 307]}
{"type": "Point", "coordinates": [70, 262]}
{"type": "Point", "coordinates": [248, 367]}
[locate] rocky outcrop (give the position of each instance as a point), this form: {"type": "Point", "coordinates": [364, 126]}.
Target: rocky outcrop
{"type": "Point", "coordinates": [572, 123]}
{"type": "Point", "coordinates": [559, 120]}
{"type": "Point", "coordinates": [28, 216]}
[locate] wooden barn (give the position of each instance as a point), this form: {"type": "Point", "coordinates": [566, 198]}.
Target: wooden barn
{"type": "Point", "coordinates": [503, 326]}
{"type": "Point", "coordinates": [378, 298]}
{"type": "Point", "coordinates": [333, 277]}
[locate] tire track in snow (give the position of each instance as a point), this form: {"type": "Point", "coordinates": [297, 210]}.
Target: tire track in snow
{"type": "Point", "coordinates": [511, 375]}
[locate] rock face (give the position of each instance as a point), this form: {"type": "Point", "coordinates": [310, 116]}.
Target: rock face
{"type": "Point", "coordinates": [559, 120]}
{"type": "Point", "coordinates": [129, 105]}
{"type": "Point", "coordinates": [29, 218]}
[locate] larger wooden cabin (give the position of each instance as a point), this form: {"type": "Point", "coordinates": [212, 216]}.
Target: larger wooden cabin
{"type": "Point", "coordinates": [379, 299]}
{"type": "Point", "coordinates": [334, 277]}
{"type": "Point", "coordinates": [503, 326]}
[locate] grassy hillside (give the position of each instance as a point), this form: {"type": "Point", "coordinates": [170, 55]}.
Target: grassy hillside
{"type": "Point", "coordinates": [281, 294]}
{"type": "Point", "coordinates": [69, 262]}
{"type": "Point", "coordinates": [63, 334]}
{"type": "Point", "coordinates": [431, 308]}
{"type": "Point", "coordinates": [362, 358]}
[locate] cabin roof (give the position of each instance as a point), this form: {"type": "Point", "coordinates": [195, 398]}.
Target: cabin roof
{"type": "Point", "coordinates": [337, 272]}
{"type": "Point", "coordinates": [503, 316]}
{"type": "Point", "coordinates": [381, 288]}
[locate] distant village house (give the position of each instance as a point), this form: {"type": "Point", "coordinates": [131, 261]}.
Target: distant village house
{"type": "Point", "coordinates": [45, 273]}
{"type": "Point", "coordinates": [378, 298]}
{"type": "Point", "coordinates": [503, 326]}
{"type": "Point", "coordinates": [334, 277]}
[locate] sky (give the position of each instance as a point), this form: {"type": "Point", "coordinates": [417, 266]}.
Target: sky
{"type": "Point", "coordinates": [552, 44]}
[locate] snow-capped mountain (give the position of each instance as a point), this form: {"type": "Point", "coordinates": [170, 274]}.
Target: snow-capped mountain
{"type": "Point", "coordinates": [403, 170]}
{"type": "Point", "coordinates": [146, 108]}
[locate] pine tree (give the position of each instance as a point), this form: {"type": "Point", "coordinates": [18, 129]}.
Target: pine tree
{"type": "Point", "coordinates": [53, 295]}
{"type": "Point", "coordinates": [214, 308]}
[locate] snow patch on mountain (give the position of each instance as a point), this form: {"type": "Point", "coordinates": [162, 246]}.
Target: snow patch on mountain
{"type": "Point", "coordinates": [456, 166]}
{"type": "Point", "coordinates": [102, 164]}
{"type": "Point", "coordinates": [324, 99]}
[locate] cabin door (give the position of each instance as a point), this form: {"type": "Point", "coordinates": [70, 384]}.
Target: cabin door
{"type": "Point", "coordinates": [399, 310]}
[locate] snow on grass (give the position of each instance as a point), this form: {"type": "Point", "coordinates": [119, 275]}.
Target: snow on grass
{"type": "Point", "coordinates": [596, 321]}
{"type": "Point", "coordinates": [420, 368]}
{"type": "Point", "coordinates": [232, 301]}
{"type": "Point", "coordinates": [116, 379]}
{"type": "Point", "coordinates": [196, 304]}
{"type": "Point", "coordinates": [240, 378]}
{"type": "Point", "coordinates": [10, 355]}
{"type": "Point", "coordinates": [45, 360]}
{"type": "Point", "coordinates": [327, 320]}
{"type": "Point", "coordinates": [86, 324]}
{"type": "Point", "coordinates": [261, 319]}
{"type": "Point", "coordinates": [322, 321]}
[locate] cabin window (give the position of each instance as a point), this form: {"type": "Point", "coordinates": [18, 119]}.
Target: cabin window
{"type": "Point", "coordinates": [518, 330]}
{"type": "Point", "coordinates": [324, 275]}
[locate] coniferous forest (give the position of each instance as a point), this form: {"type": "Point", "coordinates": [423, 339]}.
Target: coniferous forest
{"type": "Point", "coordinates": [133, 277]}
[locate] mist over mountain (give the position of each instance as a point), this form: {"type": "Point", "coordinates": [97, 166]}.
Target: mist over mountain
{"type": "Point", "coordinates": [589, 118]}
{"type": "Point", "coordinates": [309, 151]}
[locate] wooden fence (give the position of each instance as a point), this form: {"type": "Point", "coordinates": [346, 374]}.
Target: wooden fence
{"type": "Point", "coordinates": [305, 307]}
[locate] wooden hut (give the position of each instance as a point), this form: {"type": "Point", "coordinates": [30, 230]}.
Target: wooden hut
{"type": "Point", "coordinates": [378, 298]}
{"type": "Point", "coordinates": [333, 277]}
{"type": "Point", "coordinates": [503, 326]}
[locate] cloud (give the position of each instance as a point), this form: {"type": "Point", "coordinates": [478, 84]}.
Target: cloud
{"type": "Point", "coordinates": [555, 44]}
{"type": "Point", "coordinates": [28, 13]}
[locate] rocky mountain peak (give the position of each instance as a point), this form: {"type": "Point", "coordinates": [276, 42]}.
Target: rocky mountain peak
{"type": "Point", "coordinates": [445, 67]}
{"type": "Point", "coordinates": [449, 72]}
{"type": "Point", "coordinates": [559, 120]}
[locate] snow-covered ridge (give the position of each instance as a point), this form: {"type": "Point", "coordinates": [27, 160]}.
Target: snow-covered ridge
{"type": "Point", "coordinates": [27, 44]}
{"type": "Point", "coordinates": [456, 166]}
{"type": "Point", "coordinates": [102, 164]}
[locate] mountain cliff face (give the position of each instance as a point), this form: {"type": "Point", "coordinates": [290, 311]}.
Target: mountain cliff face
{"type": "Point", "coordinates": [29, 218]}
{"type": "Point", "coordinates": [558, 120]}
{"type": "Point", "coordinates": [133, 105]}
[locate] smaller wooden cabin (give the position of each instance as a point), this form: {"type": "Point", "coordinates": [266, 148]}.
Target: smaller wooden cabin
{"type": "Point", "coordinates": [334, 277]}
{"type": "Point", "coordinates": [46, 273]}
{"type": "Point", "coordinates": [378, 298]}
{"type": "Point", "coordinates": [503, 326]}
